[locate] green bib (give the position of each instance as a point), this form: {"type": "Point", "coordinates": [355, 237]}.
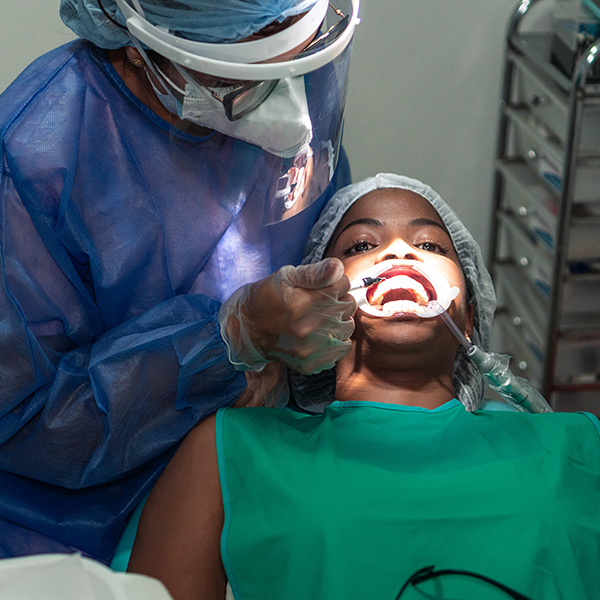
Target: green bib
{"type": "Point", "coordinates": [348, 504]}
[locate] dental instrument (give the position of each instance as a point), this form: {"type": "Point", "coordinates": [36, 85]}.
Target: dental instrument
{"type": "Point", "coordinates": [364, 283]}
{"type": "Point", "coordinates": [494, 368]}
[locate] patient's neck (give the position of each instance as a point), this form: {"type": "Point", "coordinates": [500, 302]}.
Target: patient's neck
{"type": "Point", "coordinates": [409, 379]}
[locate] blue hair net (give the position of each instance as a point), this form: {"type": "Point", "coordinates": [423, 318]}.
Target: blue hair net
{"type": "Point", "coordinates": [214, 21]}
{"type": "Point", "coordinates": [314, 392]}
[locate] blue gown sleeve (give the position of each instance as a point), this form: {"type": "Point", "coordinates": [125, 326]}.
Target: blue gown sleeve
{"type": "Point", "coordinates": [76, 414]}
{"type": "Point", "coordinates": [99, 411]}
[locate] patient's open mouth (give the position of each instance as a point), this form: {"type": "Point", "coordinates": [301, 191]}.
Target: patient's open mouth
{"type": "Point", "coordinates": [403, 290]}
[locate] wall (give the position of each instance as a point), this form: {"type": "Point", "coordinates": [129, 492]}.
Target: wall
{"type": "Point", "coordinates": [423, 101]}
{"type": "Point", "coordinates": [28, 28]}
{"type": "Point", "coordinates": [423, 95]}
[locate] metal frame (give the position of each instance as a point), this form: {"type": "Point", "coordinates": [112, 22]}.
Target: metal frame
{"type": "Point", "coordinates": [577, 96]}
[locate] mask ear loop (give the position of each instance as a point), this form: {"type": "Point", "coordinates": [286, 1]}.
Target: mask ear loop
{"type": "Point", "coordinates": [164, 80]}
{"type": "Point", "coordinates": [198, 87]}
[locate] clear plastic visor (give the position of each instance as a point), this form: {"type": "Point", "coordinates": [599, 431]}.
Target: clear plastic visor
{"type": "Point", "coordinates": [301, 100]}
{"type": "Point", "coordinates": [304, 177]}
{"type": "Point", "coordinates": [308, 117]}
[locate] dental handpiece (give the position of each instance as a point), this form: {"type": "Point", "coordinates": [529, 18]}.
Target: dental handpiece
{"type": "Point", "coordinates": [365, 282]}
{"type": "Point", "coordinates": [494, 369]}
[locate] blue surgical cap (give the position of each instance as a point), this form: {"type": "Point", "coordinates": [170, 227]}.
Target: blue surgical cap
{"type": "Point", "coordinates": [213, 21]}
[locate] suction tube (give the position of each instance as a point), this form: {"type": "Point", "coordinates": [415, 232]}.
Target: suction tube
{"type": "Point", "coordinates": [495, 371]}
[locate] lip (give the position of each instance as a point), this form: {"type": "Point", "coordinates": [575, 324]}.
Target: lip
{"type": "Point", "coordinates": [401, 292]}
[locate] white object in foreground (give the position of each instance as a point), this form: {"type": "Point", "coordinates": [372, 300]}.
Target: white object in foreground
{"type": "Point", "coordinates": [72, 577]}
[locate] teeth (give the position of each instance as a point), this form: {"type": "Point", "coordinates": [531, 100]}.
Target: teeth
{"type": "Point", "coordinates": [400, 282]}
{"type": "Point", "coordinates": [402, 306]}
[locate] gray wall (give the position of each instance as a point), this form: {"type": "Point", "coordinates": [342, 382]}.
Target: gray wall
{"type": "Point", "coordinates": [28, 28]}
{"type": "Point", "coordinates": [424, 86]}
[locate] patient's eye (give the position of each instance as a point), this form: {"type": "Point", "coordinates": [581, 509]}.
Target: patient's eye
{"type": "Point", "coordinates": [433, 246]}
{"type": "Point", "coordinates": [358, 247]}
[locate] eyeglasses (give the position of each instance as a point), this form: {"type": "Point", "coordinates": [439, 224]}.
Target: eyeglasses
{"type": "Point", "coordinates": [248, 96]}
{"type": "Point", "coordinates": [243, 99]}
{"type": "Point", "coordinates": [427, 573]}
{"type": "Point", "coordinates": [328, 37]}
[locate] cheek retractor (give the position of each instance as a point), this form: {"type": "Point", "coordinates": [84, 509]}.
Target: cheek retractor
{"type": "Point", "coordinates": [403, 287]}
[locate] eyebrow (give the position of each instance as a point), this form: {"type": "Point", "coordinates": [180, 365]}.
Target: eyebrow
{"type": "Point", "coordinates": [423, 222]}
{"type": "Point", "coordinates": [365, 221]}
{"type": "Point", "coordinates": [420, 222]}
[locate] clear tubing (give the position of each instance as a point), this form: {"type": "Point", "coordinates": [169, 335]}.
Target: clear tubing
{"type": "Point", "coordinates": [458, 334]}
{"type": "Point", "coordinates": [517, 391]}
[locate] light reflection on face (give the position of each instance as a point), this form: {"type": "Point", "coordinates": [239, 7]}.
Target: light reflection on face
{"type": "Point", "coordinates": [394, 224]}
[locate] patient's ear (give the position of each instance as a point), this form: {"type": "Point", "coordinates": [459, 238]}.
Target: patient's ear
{"type": "Point", "coordinates": [134, 56]}
{"type": "Point", "coordinates": [469, 327]}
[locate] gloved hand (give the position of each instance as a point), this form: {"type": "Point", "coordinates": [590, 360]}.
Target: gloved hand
{"type": "Point", "coordinates": [299, 316]}
{"type": "Point", "coordinates": [268, 387]}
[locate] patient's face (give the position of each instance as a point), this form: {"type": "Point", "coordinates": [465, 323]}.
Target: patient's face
{"type": "Point", "coordinates": [399, 225]}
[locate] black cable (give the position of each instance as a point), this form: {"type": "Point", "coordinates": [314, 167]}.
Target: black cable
{"type": "Point", "coordinates": [430, 573]}
{"type": "Point", "coordinates": [110, 17]}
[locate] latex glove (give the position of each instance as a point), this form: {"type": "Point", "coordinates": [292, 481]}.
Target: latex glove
{"type": "Point", "coordinates": [299, 316]}
{"type": "Point", "coordinates": [268, 387]}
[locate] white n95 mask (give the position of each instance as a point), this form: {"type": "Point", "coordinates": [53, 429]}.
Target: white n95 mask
{"type": "Point", "coordinates": [281, 125]}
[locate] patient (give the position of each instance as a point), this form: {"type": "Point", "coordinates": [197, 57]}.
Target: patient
{"type": "Point", "coordinates": [399, 471]}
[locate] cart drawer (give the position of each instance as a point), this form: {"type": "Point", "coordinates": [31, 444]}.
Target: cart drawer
{"type": "Point", "coordinates": [535, 207]}
{"type": "Point", "coordinates": [550, 105]}
{"type": "Point", "coordinates": [582, 295]}
{"type": "Point", "coordinates": [546, 157]}
{"type": "Point", "coordinates": [577, 359]}
{"type": "Point", "coordinates": [577, 400]}
{"type": "Point", "coordinates": [517, 246]}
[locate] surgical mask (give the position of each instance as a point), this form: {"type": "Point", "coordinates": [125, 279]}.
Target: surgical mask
{"type": "Point", "coordinates": [168, 100]}
{"type": "Point", "coordinates": [281, 125]}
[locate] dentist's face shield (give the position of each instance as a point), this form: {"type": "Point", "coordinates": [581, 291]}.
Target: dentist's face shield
{"type": "Point", "coordinates": [284, 93]}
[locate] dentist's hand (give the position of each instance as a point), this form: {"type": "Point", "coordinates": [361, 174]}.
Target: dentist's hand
{"type": "Point", "coordinates": [299, 316]}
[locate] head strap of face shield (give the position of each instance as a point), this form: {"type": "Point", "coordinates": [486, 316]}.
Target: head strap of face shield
{"type": "Point", "coordinates": [239, 60]}
{"type": "Point", "coordinates": [245, 52]}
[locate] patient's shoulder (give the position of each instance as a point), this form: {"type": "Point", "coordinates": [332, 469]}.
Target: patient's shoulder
{"type": "Point", "coordinates": [178, 540]}
{"type": "Point", "coordinates": [203, 433]}
{"type": "Point", "coordinates": [197, 455]}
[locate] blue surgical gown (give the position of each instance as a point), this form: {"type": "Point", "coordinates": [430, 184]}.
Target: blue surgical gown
{"type": "Point", "coordinates": [120, 236]}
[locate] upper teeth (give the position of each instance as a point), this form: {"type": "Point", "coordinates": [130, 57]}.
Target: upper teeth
{"type": "Point", "coordinates": [402, 306]}
{"type": "Point", "coordinates": [401, 282]}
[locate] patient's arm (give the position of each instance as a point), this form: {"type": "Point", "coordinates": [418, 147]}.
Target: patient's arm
{"type": "Point", "coordinates": [178, 539]}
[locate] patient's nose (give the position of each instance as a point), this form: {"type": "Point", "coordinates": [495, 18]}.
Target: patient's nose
{"type": "Point", "coordinates": [399, 250]}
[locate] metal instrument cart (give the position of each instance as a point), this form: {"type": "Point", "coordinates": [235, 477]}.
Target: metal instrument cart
{"type": "Point", "coordinates": [546, 227]}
